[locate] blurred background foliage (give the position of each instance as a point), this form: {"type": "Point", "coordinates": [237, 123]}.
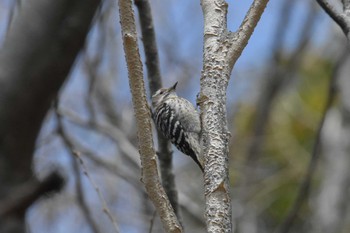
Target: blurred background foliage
{"type": "Point", "coordinates": [289, 138]}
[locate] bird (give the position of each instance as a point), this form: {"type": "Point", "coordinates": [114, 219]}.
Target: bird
{"type": "Point", "coordinates": [177, 119]}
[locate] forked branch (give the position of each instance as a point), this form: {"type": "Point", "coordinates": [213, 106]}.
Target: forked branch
{"type": "Point", "coordinates": [221, 51]}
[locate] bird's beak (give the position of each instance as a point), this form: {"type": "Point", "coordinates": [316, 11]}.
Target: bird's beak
{"type": "Point", "coordinates": [174, 86]}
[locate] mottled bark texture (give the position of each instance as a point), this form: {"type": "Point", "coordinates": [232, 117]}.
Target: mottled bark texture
{"type": "Point", "coordinates": [165, 153]}
{"type": "Point", "coordinates": [36, 57]}
{"type": "Point", "coordinates": [143, 119]}
{"type": "Point", "coordinates": [221, 50]}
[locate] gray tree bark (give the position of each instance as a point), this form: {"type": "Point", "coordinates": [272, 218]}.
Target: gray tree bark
{"type": "Point", "coordinates": [221, 50]}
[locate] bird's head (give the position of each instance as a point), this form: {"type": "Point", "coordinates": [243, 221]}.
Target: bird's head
{"type": "Point", "coordinates": [162, 94]}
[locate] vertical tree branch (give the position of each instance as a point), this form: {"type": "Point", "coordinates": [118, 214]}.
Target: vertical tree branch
{"type": "Point", "coordinates": [149, 44]}
{"type": "Point", "coordinates": [143, 119]}
{"type": "Point", "coordinates": [155, 83]}
{"type": "Point", "coordinates": [221, 50]}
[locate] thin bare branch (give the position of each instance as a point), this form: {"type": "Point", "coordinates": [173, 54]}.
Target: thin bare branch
{"type": "Point", "coordinates": [99, 193]}
{"type": "Point", "coordinates": [111, 132]}
{"type": "Point", "coordinates": [76, 155]}
{"type": "Point", "coordinates": [242, 36]}
{"type": "Point", "coordinates": [143, 119]}
{"type": "Point", "coordinates": [150, 45]}
{"type": "Point", "coordinates": [92, 63]}
{"type": "Point", "coordinates": [91, 66]}
{"type": "Point", "coordinates": [152, 221]}
{"type": "Point", "coordinates": [165, 153]}
{"type": "Point", "coordinates": [117, 169]}
{"type": "Point", "coordinates": [81, 199]}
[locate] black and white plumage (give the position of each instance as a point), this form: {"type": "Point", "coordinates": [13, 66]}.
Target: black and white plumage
{"type": "Point", "coordinates": [179, 121]}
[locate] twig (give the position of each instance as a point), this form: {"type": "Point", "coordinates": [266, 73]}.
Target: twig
{"type": "Point", "coordinates": [91, 64]}
{"type": "Point", "coordinates": [102, 199]}
{"type": "Point", "coordinates": [113, 133]}
{"type": "Point", "coordinates": [115, 169]}
{"type": "Point", "coordinates": [152, 221]}
{"type": "Point", "coordinates": [81, 199]}
{"type": "Point", "coordinates": [70, 146]}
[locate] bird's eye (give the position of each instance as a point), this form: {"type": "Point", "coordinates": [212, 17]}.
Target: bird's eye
{"type": "Point", "coordinates": [161, 92]}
